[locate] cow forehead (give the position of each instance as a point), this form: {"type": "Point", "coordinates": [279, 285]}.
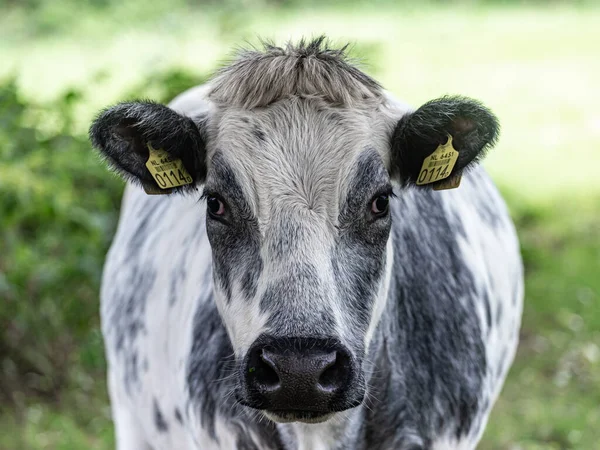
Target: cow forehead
{"type": "Point", "coordinates": [298, 156]}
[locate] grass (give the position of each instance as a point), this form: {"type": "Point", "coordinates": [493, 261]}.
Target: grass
{"type": "Point", "coordinates": [83, 422]}
{"type": "Point", "coordinates": [552, 396]}
{"type": "Point", "coordinates": [536, 67]}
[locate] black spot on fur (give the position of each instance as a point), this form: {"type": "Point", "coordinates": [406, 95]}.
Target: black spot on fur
{"type": "Point", "coordinates": [245, 443]}
{"type": "Point", "coordinates": [335, 118]}
{"type": "Point", "coordinates": [131, 368]}
{"type": "Point", "coordinates": [501, 362]}
{"type": "Point", "coordinates": [488, 311]}
{"type": "Point", "coordinates": [207, 361]}
{"type": "Point", "coordinates": [127, 320]}
{"type": "Point", "coordinates": [178, 416]}
{"type": "Point", "coordinates": [259, 134]}
{"type": "Point", "coordinates": [499, 313]}
{"type": "Point", "coordinates": [159, 420]}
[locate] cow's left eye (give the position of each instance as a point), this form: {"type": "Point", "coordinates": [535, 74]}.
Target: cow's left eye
{"type": "Point", "coordinates": [215, 206]}
{"type": "Point", "coordinates": [380, 205]}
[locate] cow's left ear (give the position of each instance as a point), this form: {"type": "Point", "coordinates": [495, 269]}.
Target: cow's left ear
{"type": "Point", "coordinates": [472, 127]}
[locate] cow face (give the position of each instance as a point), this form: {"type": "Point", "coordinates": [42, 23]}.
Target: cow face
{"type": "Point", "coordinates": [298, 200]}
{"type": "Point", "coordinates": [298, 191]}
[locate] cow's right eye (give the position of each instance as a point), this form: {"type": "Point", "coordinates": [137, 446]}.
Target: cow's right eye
{"type": "Point", "coordinates": [215, 206]}
{"type": "Point", "coordinates": [380, 205]}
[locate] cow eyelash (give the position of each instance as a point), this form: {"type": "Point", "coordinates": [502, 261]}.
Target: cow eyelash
{"type": "Point", "coordinates": [205, 194]}
{"type": "Point", "coordinates": [389, 191]}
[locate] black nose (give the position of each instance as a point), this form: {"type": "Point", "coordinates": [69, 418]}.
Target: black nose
{"type": "Point", "coordinates": [299, 374]}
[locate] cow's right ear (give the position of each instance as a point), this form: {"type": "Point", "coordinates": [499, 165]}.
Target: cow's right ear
{"type": "Point", "coordinates": [124, 133]}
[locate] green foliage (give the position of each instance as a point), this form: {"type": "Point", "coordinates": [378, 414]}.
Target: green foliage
{"type": "Point", "coordinates": [82, 422]}
{"type": "Point", "coordinates": [164, 85]}
{"type": "Point", "coordinates": [58, 210]}
{"type": "Point", "coordinates": [551, 396]}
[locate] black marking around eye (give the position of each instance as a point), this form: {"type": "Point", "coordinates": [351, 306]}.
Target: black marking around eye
{"type": "Point", "coordinates": [359, 254]}
{"type": "Point", "coordinates": [369, 178]}
{"type": "Point", "coordinates": [224, 182]}
{"type": "Point", "coordinates": [235, 246]}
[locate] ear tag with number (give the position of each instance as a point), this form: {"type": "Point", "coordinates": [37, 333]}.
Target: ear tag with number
{"type": "Point", "coordinates": [439, 164]}
{"type": "Point", "coordinates": [167, 171]}
{"type": "Point", "coordinates": [451, 183]}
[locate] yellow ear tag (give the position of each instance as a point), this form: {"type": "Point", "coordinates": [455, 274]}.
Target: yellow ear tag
{"type": "Point", "coordinates": [451, 183]}
{"type": "Point", "coordinates": [168, 172]}
{"type": "Point", "coordinates": [439, 164]}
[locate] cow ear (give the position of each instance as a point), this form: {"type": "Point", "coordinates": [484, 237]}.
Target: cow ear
{"type": "Point", "coordinates": [125, 133]}
{"type": "Point", "coordinates": [472, 127]}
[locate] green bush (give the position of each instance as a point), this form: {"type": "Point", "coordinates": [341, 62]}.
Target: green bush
{"type": "Point", "coordinates": [58, 212]}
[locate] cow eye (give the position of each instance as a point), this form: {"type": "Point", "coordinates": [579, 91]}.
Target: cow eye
{"type": "Point", "coordinates": [215, 206]}
{"type": "Point", "coordinates": [380, 205]}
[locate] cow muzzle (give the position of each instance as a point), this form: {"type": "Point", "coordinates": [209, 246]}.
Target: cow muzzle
{"type": "Point", "coordinates": [300, 379]}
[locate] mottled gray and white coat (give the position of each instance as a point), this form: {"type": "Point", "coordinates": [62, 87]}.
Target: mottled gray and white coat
{"type": "Point", "coordinates": [423, 300]}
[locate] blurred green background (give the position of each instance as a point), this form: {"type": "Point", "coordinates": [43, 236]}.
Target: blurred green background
{"type": "Point", "coordinates": [536, 64]}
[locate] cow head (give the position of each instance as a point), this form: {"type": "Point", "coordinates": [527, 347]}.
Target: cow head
{"type": "Point", "coordinates": [296, 154]}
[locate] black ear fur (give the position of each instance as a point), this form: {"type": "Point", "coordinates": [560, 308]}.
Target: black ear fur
{"type": "Point", "coordinates": [473, 127]}
{"type": "Point", "coordinates": [121, 133]}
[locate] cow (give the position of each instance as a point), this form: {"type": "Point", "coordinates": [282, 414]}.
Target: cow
{"type": "Point", "coordinates": [305, 281]}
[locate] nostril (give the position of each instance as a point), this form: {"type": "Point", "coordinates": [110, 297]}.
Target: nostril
{"type": "Point", "coordinates": [299, 376]}
{"type": "Point", "coordinates": [334, 373]}
{"type": "Point", "coordinates": [264, 371]}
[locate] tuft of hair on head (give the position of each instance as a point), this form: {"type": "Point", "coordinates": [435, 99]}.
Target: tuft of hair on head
{"type": "Point", "coordinates": [309, 68]}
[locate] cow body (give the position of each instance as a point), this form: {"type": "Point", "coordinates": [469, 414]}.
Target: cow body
{"type": "Point", "coordinates": [435, 344]}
